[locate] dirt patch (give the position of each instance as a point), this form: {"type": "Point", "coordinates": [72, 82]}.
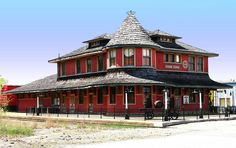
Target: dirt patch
{"type": "Point", "coordinates": [53, 133]}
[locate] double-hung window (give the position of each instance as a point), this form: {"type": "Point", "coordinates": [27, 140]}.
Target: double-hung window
{"type": "Point", "coordinates": [78, 66]}
{"type": "Point", "coordinates": [112, 95]}
{"type": "Point", "coordinates": [89, 65]}
{"type": "Point", "coordinates": [191, 63]}
{"type": "Point", "coordinates": [130, 94]}
{"type": "Point", "coordinates": [200, 64]}
{"type": "Point", "coordinates": [112, 57]}
{"type": "Point", "coordinates": [63, 69]}
{"type": "Point", "coordinates": [129, 57]}
{"type": "Point", "coordinates": [146, 57]}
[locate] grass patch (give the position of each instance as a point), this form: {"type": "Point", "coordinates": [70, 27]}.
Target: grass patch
{"type": "Point", "coordinates": [14, 130]}
{"type": "Point", "coordinates": [105, 126]}
{"type": "Point", "coordinates": [119, 126]}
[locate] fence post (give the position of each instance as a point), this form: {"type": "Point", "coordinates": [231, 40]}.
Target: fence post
{"type": "Point", "coordinates": [88, 112]}
{"type": "Point", "coordinates": [34, 111]}
{"type": "Point", "coordinates": [114, 112]}
{"type": "Point", "coordinates": [101, 113]}
{"type": "Point", "coordinates": [208, 114]}
{"type": "Point", "coordinates": [58, 112]}
{"type": "Point", "coordinates": [219, 111]}
{"type": "Point", "coordinates": [144, 114]}
{"type": "Point", "coordinates": [197, 114]}
{"type": "Point", "coordinates": [26, 111]}
{"type": "Point", "coordinates": [183, 114]}
{"type": "Point", "coordinates": [162, 114]}
{"type": "Point", "coordinates": [67, 114]}
{"type": "Point", "coordinates": [78, 113]}
{"type": "Point", "coordinates": [41, 111]}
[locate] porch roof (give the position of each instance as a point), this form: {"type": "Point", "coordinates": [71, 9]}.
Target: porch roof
{"type": "Point", "coordinates": [122, 76]}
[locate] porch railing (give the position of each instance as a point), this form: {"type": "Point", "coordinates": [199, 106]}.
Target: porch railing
{"type": "Point", "coordinates": [140, 113]}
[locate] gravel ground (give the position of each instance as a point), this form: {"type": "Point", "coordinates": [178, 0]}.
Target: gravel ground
{"type": "Point", "coordinates": [72, 135]}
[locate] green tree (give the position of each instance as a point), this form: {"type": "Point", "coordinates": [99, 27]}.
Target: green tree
{"type": "Point", "coordinates": [2, 82]}
{"type": "Point", "coordinates": [4, 100]}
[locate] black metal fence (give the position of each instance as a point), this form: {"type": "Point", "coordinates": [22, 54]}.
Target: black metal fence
{"type": "Point", "coordinates": [141, 113]}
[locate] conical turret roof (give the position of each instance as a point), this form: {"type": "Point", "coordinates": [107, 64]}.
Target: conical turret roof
{"type": "Point", "coordinates": [131, 33]}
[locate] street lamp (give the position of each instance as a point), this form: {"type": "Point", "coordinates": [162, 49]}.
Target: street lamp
{"type": "Point", "coordinates": [166, 104]}
{"type": "Point", "coordinates": [200, 102]}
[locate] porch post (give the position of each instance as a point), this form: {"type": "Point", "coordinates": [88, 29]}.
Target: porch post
{"type": "Point", "coordinates": [226, 110]}
{"type": "Point", "coordinates": [231, 98]}
{"type": "Point", "coordinates": [126, 104]}
{"type": "Point", "coordinates": [200, 104]}
{"type": "Point", "coordinates": [37, 106]}
{"type": "Point", "coordinates": [166, 104]}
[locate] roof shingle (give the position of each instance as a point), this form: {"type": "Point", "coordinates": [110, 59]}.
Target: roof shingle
{"type": "Point", "coordinates": [131, 33]}
{"type": "Point", "coordinates": [132, 76]}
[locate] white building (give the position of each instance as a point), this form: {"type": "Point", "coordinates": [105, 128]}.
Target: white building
{"type": "Point", "coordinates": [221, 96]}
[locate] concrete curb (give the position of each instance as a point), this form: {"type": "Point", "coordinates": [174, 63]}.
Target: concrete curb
{"type": "Point", "coordinates": [172, 123]}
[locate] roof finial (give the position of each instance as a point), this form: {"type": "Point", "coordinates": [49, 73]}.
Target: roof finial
{"type": "Point", "coordinates": [131, 12]}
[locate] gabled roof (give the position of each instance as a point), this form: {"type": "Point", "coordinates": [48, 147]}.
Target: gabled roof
{"type": "Point", "coordinates": [131, 33]}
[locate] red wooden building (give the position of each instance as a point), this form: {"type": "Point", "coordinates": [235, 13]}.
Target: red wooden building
{"type": "Point", "coordinates": [9, 99]}
{"type": "Point", "coordinates": [129, 68]}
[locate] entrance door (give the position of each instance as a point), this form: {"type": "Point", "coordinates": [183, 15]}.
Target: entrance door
{"type": "Point", "coordinates": [147, 97]}
{"type": "Point", "coordinates": [90, 103]}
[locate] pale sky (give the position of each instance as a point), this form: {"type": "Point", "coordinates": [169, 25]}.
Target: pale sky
{"type": "Point", "coordinates": [33, 32]}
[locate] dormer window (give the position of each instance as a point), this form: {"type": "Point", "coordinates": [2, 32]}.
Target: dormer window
{"type": "Point", "coordinates": [94, 44]}
{"type": "Point", "coordinates": [166, 39]}
{"type": "Point", "coordinates": [129, 57]}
